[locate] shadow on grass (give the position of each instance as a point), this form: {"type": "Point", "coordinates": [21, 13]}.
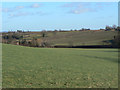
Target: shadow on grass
{"type": "Point", "coordinates": [103, 58]}
{"type": "Point", "coordinates": [112, 51]}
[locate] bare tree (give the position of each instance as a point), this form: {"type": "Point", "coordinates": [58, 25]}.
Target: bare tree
{"type": "Point", "coordinates": [108, 28]}
{"type": "Point", "coordinates": [114, 27]}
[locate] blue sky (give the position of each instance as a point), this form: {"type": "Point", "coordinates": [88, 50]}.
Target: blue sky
{"type": "Point", "coordinates": [36, 16]}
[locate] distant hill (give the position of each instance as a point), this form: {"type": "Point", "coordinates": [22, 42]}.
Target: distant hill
{"type": "Point", "coordinates": [66, 38]}
{"type": "Point", "coordinates": [81, 38]}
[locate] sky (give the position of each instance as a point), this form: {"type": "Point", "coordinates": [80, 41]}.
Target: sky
{"type": "Point", "coordinates": [37, 16]}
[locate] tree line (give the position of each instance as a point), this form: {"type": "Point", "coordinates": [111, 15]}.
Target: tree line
{"type": "Point", "coordinates": [17, 38]}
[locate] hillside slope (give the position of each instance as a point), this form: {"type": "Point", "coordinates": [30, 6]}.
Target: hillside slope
{"type": "Point", "coordinates": [81, 38]}
{"type": "Point", "coordinates": [66, 38]}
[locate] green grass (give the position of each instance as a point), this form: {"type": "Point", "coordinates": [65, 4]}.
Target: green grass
{"type": "Point", "coordinates": [26, 67]}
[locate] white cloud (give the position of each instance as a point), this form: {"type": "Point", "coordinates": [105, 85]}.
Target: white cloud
{"type": "Point", "coordinates": [13, 9]}
{"type": "Point", "coordinates": [7, 10]}
{"type": "Point", "coordinates": [69, 5]}
{"type": "Point", "coordinates": [20, 14]}
{"type": "Point", "coordinates": [20, 7]}
{"type": "Point", "coordinates": [82, 7]}
{"type": "Point", "coordinates": [36, 5]}
{"type": "Point", "coordinates": [79, 11]}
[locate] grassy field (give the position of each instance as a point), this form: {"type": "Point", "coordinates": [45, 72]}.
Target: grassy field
{"type": "Point", "coordinates": [28, 67]}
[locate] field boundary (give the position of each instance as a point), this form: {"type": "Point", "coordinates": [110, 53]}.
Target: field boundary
{"type": "Point", "coordinates": [87, 46]}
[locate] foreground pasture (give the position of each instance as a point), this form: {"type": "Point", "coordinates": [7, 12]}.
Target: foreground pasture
{"type": "Point", "coordinates": [26, 67]}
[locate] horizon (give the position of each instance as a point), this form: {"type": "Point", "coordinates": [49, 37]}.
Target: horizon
{"type": "Point", "coordinates": [51, 30]}
{"type": "Point", "coordinates": [38, 16]}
